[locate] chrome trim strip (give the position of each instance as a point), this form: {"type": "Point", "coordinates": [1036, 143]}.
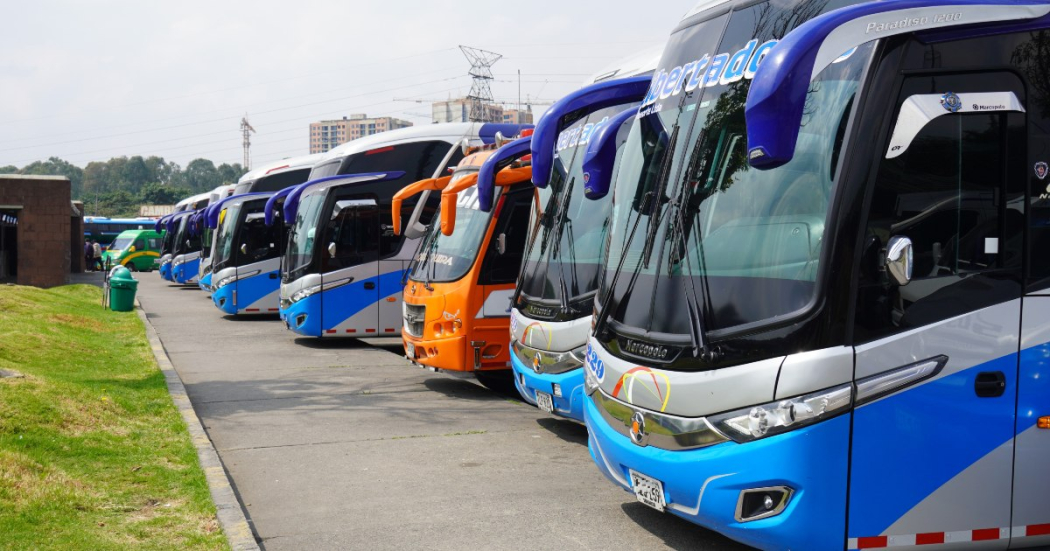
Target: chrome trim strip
{"type": "Point", "coordinates": [877, 386]}
{"type": "Point", "coordinates": [671, 433]}
{"type": "Point", "coordinates": [541, 361]}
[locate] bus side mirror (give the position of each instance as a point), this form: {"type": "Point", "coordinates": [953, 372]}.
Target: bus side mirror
{"type": "Point", "coordinates": [244, 248]}
{"type": "Point", "coordinates": [600, 156]}
{"type": "Point", "coordinates": [501, 243]}
{"type": "Point", "coordinates": [899, 260]}
{"type": "Point", "coordinates": [331, 250]}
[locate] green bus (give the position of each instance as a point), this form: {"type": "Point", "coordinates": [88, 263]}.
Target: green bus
{"type": "Point", "coordinates": [137, 250]}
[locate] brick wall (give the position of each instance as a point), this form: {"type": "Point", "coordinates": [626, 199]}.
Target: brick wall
{"type": "Point", "coordinates": [44, 232]}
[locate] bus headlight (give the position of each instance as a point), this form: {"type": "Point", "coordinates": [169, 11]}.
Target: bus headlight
{"type": "Point", "coordinates": [230, 279]}
{"type": "Point", "coordinates": [305, 292]}
{"type": "Point", "coordinates": [747, 424]}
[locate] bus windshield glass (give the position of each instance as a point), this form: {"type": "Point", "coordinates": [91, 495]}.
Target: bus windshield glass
{"type": "Point", "coordinates": [739, 246]}
{"type": "Point", "coordinates": [224, 236]}
{"type": "Point", "coordinates": [448, 257]}
{"type": "Point", "coordinates": [567, 254]}
{"type": "Point", "coordinates": [300, 250]}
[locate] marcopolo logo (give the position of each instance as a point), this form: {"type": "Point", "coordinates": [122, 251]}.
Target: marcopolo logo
{"type": "Point", "coordinates": [723, 68]}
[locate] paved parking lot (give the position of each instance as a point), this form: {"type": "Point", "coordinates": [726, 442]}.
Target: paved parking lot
{"type": "Point", "coordinates": [343, 444]}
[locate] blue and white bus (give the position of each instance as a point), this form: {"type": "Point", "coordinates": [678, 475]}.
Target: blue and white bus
{"type": "Point", "coordinates": [270, 177]}
{"type": "Point", "coordinates": [552, 307]}
{"type": "Point", "coordinates": [199, 229]}
{"type": "Point", "coordinates": [824, 320]}
{"type": "Point", "coordinates": [173, 241]}
{"type": "Point", "coordinates": [343, 265]}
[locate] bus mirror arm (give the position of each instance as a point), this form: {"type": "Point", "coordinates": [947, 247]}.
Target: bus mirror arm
{"type": "Point", "coordinates": [415, 229]}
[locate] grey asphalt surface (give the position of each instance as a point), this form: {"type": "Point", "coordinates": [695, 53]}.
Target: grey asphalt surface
{"type": "Point", "coordinates": [343, 444]}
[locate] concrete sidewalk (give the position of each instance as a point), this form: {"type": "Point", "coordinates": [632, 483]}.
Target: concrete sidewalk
{"type": "Point", "coordinates": [344, 445]}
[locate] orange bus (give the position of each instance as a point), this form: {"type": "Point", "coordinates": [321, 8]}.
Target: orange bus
{"type": "Point", "coordinates": [459, 285]}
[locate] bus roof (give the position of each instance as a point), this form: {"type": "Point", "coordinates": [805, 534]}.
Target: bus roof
{"type": "Point", "coordinates": [451, 132]}
{"type": "Point", "coordinates": [283, 165]}
{"type": "Point", "coordinates": [641, 63]}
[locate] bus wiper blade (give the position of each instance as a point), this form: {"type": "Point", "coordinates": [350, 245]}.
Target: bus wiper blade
{"type": "Point", "coordinates": [661, 188]}
{"type": "Point", "coordinates": [429, 264]}
{"type": "Point", "coordinates": [679, 242]}
{"type": "Point", "coordinates": [556, 232]}
{"type": "Point", "coordinates": [653, 201]}
{"type": "Point", "coordinates": [545, 223]}
{"type": "Point", "coordinates": [599, 319]}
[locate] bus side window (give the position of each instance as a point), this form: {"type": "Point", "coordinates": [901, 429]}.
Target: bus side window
{"type": "Point", "coordinates": [513, 223]}
{"type": "Point", "coordinates": [354, 229]}
{"type": "Point", "coordinates": [957, 194]}
{"type": "Point", "coordinates": [154, 243]}
{"type": "Point", "coordinates": [140, 244]}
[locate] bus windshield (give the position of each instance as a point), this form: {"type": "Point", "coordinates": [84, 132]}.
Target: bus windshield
{"type": "Point", "coordinates": [564, 262]}
{"type": "Point", "coordinates": [224, 236]}
{"type": "Point", "coordinates": [448, 257]}
{"type": "Point", "coordinates": [300, 250]}
{"type": "Point", "coordinates": [739, 246]}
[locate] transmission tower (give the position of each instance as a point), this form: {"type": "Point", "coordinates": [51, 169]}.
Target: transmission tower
{"type": "Point", "coordinates": [480, 96]}
{"type": "Point", "coordinates": [246, 130]}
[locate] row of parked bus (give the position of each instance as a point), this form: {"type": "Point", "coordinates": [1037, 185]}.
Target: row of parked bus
{"type": "Point", "coordinates": [793, 275]}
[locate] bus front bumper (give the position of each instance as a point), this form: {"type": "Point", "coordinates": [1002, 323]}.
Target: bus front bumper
{"type": "Point", "coordinates": [223, 299]}
{"type": "Point", "coordinates": [304, 316]}
{"type": "Point", "coordinates": [449, 354]}
{"type": "Point", "coordinates": [705, 485]}
{"type": "Point", "coordinates": [569, 404]}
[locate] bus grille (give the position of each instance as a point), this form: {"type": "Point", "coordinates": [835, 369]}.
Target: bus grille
{"type": "Point", "coordinates": [415, 314]}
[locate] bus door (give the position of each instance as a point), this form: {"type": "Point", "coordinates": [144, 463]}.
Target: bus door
{"type": "Point", "coordinates": [350, 266]}
{"type": "Point", "coordinates": [937, 357]}
{"type": "Point", "coordinates": [257, 257]}
{"type": "Point", "coordinates": [502, 262]}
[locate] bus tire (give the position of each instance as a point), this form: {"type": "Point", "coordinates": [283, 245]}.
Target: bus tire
{"type": "Point", "coordinates": [130, 266]}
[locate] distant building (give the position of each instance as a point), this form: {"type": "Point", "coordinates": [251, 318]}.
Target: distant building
{"type": "Point", "coordinates": [325, 135]}
{"type": "Point", "coordinates": [514, 116]}
{"type": "Point", "coordinates": [458, 110]}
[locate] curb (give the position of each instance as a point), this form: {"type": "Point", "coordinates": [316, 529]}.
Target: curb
{"type": "Point", "coordinates": [228, 509]}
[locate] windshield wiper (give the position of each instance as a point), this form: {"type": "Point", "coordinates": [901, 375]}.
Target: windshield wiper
{"type": "Point", "coordinates": [428, 262]}
{"type": "Point", "coordinates": [679, 241]}
{"type": "Point", "coordinates": [556, 232]}
{"type": "Point", "coordinates": [545, 223]}
{"type": "Point", "coordinates": [652, 202]}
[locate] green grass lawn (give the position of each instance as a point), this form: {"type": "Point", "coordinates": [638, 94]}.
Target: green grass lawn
{"type": "Point", "coordinates": [93, 454]}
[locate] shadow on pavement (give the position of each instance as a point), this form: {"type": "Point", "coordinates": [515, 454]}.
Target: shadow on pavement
{"type": "Point", "coordinates": [253, 318]}
{"type": "Point", "coordinates": [676, 532]}
{"type": "Point", "coordinates": [569, 431]}
{"type": "Point", "coordinates": [330, 344]}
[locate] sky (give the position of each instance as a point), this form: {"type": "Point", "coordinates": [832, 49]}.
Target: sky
{"type": "Point", "coordinates": [87, 81]}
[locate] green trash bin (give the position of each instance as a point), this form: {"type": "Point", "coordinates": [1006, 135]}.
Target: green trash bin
{"type": "Point", "coordinates": [122, 289]}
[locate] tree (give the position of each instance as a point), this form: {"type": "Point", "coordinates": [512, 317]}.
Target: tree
{"type": "Point", "coordinates": [160, 194]}
{"type": "Point", "coordinates": [134, 173]}
{"type": "Point", "coordinates": [201, 175]}
{"type": "Point", "coordinates": [57, 167]}
{"type": "Point", "coordinates": [9, 169]}
{"type": "Point", "coordinates": [231, 173]}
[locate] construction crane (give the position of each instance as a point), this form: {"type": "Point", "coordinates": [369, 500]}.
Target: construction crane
{"type": "Point", "coordinates": [247, 130]}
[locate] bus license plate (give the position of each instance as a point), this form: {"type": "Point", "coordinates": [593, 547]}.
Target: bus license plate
{"type": "Point", "coordinates": [648, 490]}
{"type": "Point", "coordinates": [545, 401]}
{"type": "Point", "coordinates": [410, 351]}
